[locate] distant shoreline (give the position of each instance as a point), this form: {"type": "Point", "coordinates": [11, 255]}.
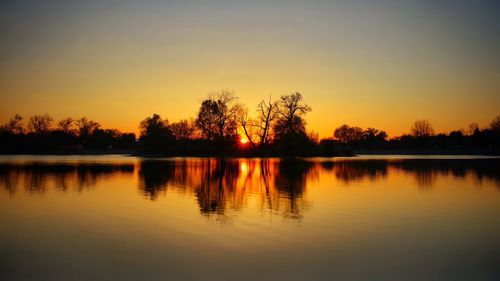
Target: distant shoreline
{"type": "Point", "coordinates": [488, 152]}
{"type": "Point", "coordinates": [346, 153]}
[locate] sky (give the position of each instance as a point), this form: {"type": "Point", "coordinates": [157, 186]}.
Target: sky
{"type": "Point", "coordinates": [381, 64]}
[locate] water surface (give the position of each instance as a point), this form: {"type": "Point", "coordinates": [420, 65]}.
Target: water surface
{"type": "Point", "coordinates": [363, 218]}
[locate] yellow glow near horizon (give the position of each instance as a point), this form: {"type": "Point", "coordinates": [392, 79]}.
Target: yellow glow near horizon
{"type": "Point", "coordinates": [363, 64]}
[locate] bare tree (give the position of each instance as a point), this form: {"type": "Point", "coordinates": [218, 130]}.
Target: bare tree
{"type": "Point", "coordinates": [217, 117]}
{"type": "Point", "coordinates": [266, 115]}
{"type": "Point", "coordinates": [290, 110]}
{"type": "Point", "coordinates": [422, 128]}
{"type": "Point", "coordinates": [65, 124]}
{"type": "Point", "coordinates": [14, 126]}
{"type": "Point", "coordinates": [40, 124]}
{"type": "Point", "coordinates": [86, 127]}
{"type": "Point", "coordinates": [258, 130]}
{"type": "Point", "coordinates": [247, 125]}
{"type": "Point", "coordinates": [183, 129]}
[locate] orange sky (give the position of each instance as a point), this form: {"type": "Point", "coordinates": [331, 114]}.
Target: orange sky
{"type": "Point", "coordinates": [381, 65]}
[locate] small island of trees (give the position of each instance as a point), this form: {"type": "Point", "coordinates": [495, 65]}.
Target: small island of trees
{"type": "Point", "coordinates": [223, 127]}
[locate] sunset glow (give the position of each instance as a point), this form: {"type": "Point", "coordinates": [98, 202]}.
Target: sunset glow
{"type": "Point", "coordinates": [365, 63]}
{"type": "Point", "coordinates": [249, 140]}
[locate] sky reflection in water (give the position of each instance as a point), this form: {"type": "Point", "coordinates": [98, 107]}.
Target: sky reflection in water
{"type": "Point", "coordinates": [129, 218]}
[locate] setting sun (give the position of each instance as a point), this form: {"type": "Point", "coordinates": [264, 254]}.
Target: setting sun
{"type": "Point", "coordinates": [244, 141]}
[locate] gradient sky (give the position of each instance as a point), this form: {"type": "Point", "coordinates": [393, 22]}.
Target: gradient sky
{"type": "Point", "coordinates": [382, 64]}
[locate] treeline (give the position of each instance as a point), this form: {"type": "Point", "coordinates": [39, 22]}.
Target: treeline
{"type": "Point", "coordinates": [41, 135]}
{"type": "Point", "coordinates": [223, 126]}
{"type": "Point", "coordinates": [422, 136]}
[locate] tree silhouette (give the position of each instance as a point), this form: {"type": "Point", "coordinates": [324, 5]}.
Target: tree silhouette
{"type": "Point", "coordinates": [259, 130]}
{"type": "Point", "coordinates": [247, 125]}
{"type": "Point", "coordinates": [357, 137]}
{"type": "Point", "coordinates": [495, 125]}
{"type": "Point", "coordinates": [217, 117]}
{"type": "Point", "coordinates": [278, 128]}
{"type": "Point", "coordinates": [40, 124]}
{"type": "Point", "coordinates": [373, 137]}
{"type": "Point", "coordinates": [14, 125]}
{"type": "Point", "coordinates": [65, 125]}
{"type": "Point", "coordinates": [183, 130]}
{"type": "Point", "coordinates": [266, 116]}
{"type": "Point", "coordinates": [422, 128]}
{"type": "Point", "coordinates": [155, 134]}
{"type": "Point", "coordinates": [41, 138]}
{"type": "Point", "coordinates": [348, 135]}
{"type": "Point", "coordinates": [290, 110]}
{"type": "Point", "coordinates": [472, 128]}
{"type": "Point", "coordinates": [86, 127]}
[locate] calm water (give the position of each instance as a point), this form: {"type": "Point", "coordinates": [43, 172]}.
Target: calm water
{"type": "Point", "coordinates": [365, 218]}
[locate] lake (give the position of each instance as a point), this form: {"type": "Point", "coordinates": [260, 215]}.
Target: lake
{"type": "Point", "coordinates": [363, 218]}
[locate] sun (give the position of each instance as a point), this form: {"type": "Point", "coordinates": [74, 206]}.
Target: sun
{"type": "Point", "coordinates": [243, 141]}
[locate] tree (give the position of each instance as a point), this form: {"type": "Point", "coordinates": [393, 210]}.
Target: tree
{"type": "Point", "coordinates": [258, 131]}
{"type": "Point", "coordinates": [14, 125]}
{"type": "Point", "coordinates": [422, 128]}
{"type": "Point", "coordinates": [373, 136]}
{"type": "Point", "coordinates": [290, 115]}
{"type": "Point", "coordinates": [348, 134]}
{"type": "Point", "coordinates": [266, 115]}
{"type": "Point", "coordinates": [368, 138]}
{"type": "Point", "coordinates": [473, 127]}
{"type": "Point", "coordinates": [40, 124]}
{"type": "Point", "coordinates": [217, 117]}
{"type": "Point", "coordinates": [247, 125]}
{"type": "Point", "coordinates": [495, 125]}
{"type": "Point", "coordinates": [456, 135]}
{"type": "Point", "coordinates": [183, 130]}
{"type": "Point", "coordinates": [65, 125]}
{"type": "Point", "coordinates": [86, 127]}
{"type": "Point", "coordinates": [155, 134]}
{"type": "Point", "coordinates": [313, 137]}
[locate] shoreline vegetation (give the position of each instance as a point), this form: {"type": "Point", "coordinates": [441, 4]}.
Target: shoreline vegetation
{"type": "Point", "coordinates": [346, 153]}
{"type": "Point", "coordinates": [225, 128]}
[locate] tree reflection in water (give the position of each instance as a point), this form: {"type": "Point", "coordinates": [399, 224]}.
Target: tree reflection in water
{"type": "Point", "coordinates": [37, 176]}
{"type": "Point", "coordinates": [349, 171]}
{"type": "Point", "coordinates": [226, 183]}
{"type": "Point", "coordinates": [219, 185]}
